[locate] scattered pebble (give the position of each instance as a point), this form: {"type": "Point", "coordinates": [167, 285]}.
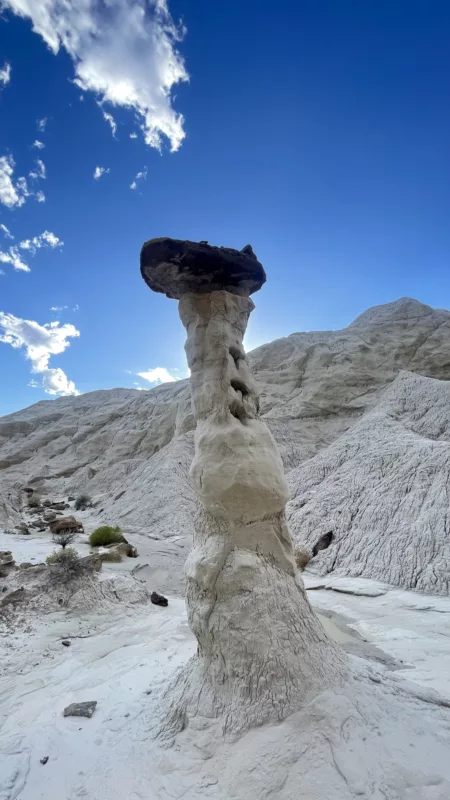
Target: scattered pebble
{"type": "Point", "coordinates": [44, 760]}
{"type": "Point", "coordinates": [66, 642]}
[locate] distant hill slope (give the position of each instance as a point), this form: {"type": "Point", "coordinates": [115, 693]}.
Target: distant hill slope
{"type": "Point", "coordinates": [362, 417]}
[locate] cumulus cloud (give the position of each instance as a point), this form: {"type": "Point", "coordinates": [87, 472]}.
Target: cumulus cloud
{"type": "Point", "coordinates": [38, 145]}
{"type": "Point", "coordinates": [125, 51]}
{"type": "Point", "coordinates": [141, 176]}
{"type": "Point", "coordinates": [157, 375]}
{"type": "Point", "coordinates": [40, 197]}
{"type": "Point", "coordinates": [6, 232]}
{"type": "Point", "coordinates": [99, 171]}
{"type": "Point", "coordinates": [13, 256]}
{"type": "Point", "coordinates": [40, 342]}
{"type": "Point", "coordinates": [41, 124]}
{"type": "Point", "coordinates": [5, 74]}
{"type": "Point", "coordinates": [39, 173]}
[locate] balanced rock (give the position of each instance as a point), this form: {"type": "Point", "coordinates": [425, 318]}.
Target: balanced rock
{"type": "Point", "coordinates": [176, 267]}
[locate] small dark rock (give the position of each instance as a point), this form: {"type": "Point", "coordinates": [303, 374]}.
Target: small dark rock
{"type": "Point", "coordinates": [71, 499]}
{"type": "Point", "coordinates": [159, 599]}
{"type": "Point", "coordinates": [44, 760]}
{"type": "Point", "coordinates": [80, 709]}
{"type": "Point", "coordinates": [323, 543]}
{"type": "Point", "coordinates": [66, 642]}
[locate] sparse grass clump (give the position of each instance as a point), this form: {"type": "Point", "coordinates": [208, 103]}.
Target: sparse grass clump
{"type": "Point", "coordinates": [62, 557]}
{"type": "Point", "coordinates": [105, 535]}
{"type": "Point", "coordinates": [82, 502]}
{"type": "Point", "coordinates": [301, 558]}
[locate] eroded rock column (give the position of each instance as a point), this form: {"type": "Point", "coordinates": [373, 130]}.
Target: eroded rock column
{"type": "Point", "coordinates": [262, 653]}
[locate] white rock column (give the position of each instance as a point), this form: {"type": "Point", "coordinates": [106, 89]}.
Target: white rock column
{"type": "Point", "coordinates": [262, 653]}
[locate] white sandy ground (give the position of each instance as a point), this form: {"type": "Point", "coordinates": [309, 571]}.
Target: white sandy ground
{"type": "Point", "coordinates": [325, 751]}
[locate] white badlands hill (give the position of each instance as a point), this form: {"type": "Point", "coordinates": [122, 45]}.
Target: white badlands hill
{"type": "Point", "coordinates": [362, 418]}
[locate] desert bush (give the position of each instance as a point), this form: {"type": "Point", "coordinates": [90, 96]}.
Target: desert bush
{"type": "Point", "coordinates": [82, 502]}
{"type": "Point", "coordinates": [66, 566]}
{"type": "Point", "coordinates": [301, 558]}
{"type": "Point", "coordinates": [64, 538]}
{"type": "Point", "coordinates": [104, 535]}
{"type": "Point", "coordinates": [62, 557]}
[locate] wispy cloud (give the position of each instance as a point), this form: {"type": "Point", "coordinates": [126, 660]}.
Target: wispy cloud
{"type": "Point", "coordinates": [157, 375]}
{"type": "Point", "coordinates": [57, 309]}
{"type": "Point", "coordinates": [141, 176]}
{"type": "Point", "coordinates": [12, 192]}
{"type": "Point", "coordinates": [46, 239]}
{"type": "Point", "coordinates": [133, 135]}
{"type": "Point", "coordinates": [39, 173]}
{"type": "Point", "coordinates": [38, 145]}
{"type": "Point", "coordinates": [111, 122]}
{"type": "Point", "coordinates": [6, 232]}
{"type": "Point", "coordinates": [40, 342]}
{"type": "Point", "coordinates": [14, 257]}
{"type": "Point", "coordinates": [99, 171]}
{"type": "Point", "coordinates": [5, 74]}
{"type": "Point", "coordinates": [41, 124]}
{"type": "Point", "coordinates": [15, 191]}
{"type": "Point", "coordinates": [125, 51]}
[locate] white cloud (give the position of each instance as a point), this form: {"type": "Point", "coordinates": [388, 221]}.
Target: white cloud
{"type": "Point", "coordinates": [99, 171]}
{"type": "Point", "coordinates": [12, 255]}
{"type": "Point", "coordinates": [133, 135]}
{"type": "Point", "coordinates": [40, 343]}
{"type": "Point", "coordinates": [15, 191]}
{"type": "Point", "coordinates": [157, 375]}
{"type": "Point", "coordinates": [41, 124]}
{"type": "Point", "coordinates": [40, 172]}
{"type": "Point", "coordinates": [59, 308]}
{"type": "Point", "coordinates": [141, 176]}
{"type": "Point", "coordinates": [5, 74]}
{"type": "Point", "coordinates": [111, 121]}
{"type": "Point", "coordinates": [46, 239]}
{"type": "Point", "coordinates": [38, 145]}
{"type": "Point", "coordinates": [11, 193]}
{"type": "Point", "coordinates": [123, 50]}
{"type": "Point", "coordinates": [6, 232]}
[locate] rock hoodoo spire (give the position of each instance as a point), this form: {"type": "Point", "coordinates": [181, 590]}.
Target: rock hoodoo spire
{"type": "Point", "coordinates": [262, 653]}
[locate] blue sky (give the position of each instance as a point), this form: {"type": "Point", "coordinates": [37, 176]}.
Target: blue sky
{"type": "Point", "coordinates": [318, 131]}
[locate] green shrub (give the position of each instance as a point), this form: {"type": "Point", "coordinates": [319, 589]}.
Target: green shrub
{"type": "Point", "coordinates": [104, 535]}
{"type": "Point", "coordinates": [65, 557]}
{"type": "Point", "coordinates": [82, 502]}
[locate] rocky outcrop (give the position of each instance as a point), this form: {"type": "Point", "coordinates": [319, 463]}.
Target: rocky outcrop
{"type": "Point", "coordinates": [262, 653]}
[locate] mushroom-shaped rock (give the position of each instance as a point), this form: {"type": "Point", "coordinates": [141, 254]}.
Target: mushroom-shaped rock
{"type": "Point", "coordinates": [176, 267]}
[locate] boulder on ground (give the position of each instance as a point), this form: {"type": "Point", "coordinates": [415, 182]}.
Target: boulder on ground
{"type": "Point", "coordinates": [80, 709]}
{"type": "Point", "coordinates": [65, 524]}
{"type": "Point", "coordinates": [114, 552]}
{"type": "Point", "coordinates": [159, 599]}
